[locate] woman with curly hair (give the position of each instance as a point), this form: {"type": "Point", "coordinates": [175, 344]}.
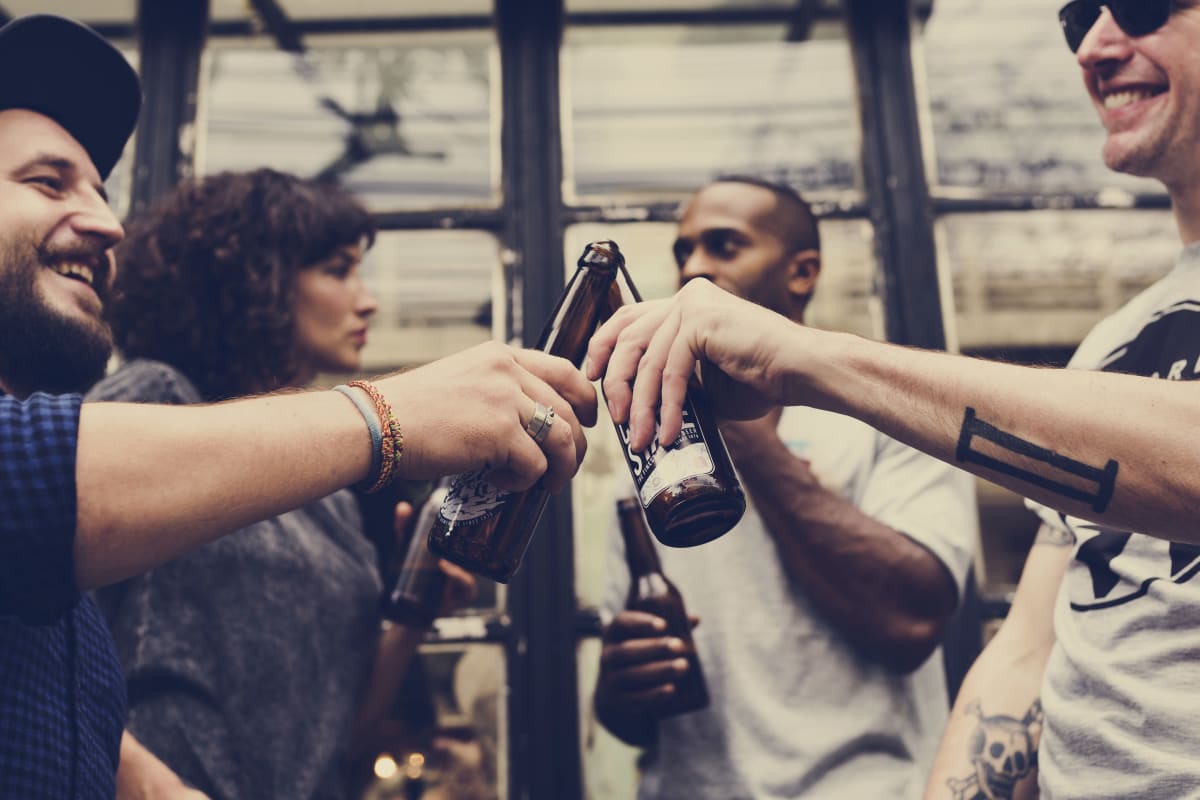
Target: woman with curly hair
{"type": "Point", "coordinates": [247, 660]}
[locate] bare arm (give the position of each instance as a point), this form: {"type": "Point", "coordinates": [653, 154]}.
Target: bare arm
{"type": "Point", "coordinates": [397, 646]}
{"type": "Point", "coordinates": [201, 472]}
{"type": "Point", "coordinates": [884, 592]}
{"type": "Point", "coordinates": [999, 703]}
{"type": "Point", "coordinates": [1056, 436]}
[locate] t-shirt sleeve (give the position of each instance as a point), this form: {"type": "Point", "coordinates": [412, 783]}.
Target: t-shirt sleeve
{"type": "Point", "coordinates": [37, 506]}
{"type": "Point", "coordinates": [145, 381]}
{"type": "Point", "coordinates": [926, 499]}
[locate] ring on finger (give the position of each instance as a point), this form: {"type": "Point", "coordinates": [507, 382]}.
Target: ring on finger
{"type": "Point", "coordinates": [539, 424]}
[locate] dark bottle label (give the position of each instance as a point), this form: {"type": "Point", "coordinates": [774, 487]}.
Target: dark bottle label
{"type": "Point", "coordinates": [472, 501]}
{"type": "Point", "coordinates": [657, 468]}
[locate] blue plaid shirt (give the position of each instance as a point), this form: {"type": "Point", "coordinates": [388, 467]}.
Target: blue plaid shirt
{"type": "Point", "coordinates": [62, 695]}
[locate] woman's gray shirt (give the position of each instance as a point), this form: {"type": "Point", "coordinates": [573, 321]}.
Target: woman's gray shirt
{"type": "Point", "coordinates": [247, 658]}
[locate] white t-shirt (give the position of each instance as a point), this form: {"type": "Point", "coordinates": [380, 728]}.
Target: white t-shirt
{"type": "Point", "coordinates": [795, 710]}
{"type": "Point", "coordinates": [1121, 693]}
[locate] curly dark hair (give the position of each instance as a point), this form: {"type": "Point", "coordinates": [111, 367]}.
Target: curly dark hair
{"type": "Point", "coordinates": [206, 278]}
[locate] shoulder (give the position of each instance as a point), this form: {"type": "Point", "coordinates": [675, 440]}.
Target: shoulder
{"type": "Point", "coordinates": [146, 381]}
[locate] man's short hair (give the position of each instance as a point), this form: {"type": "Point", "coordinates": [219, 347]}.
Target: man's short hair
{"type": "Point", "coordinates": [71, 74]}
{"type": "Point", "coordinates": [799, 214]}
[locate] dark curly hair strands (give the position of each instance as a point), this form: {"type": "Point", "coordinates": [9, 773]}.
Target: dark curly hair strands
{"type": "Point", "coordinates": [205, 278]}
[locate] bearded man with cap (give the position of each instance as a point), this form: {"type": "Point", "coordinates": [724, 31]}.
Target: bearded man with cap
{"type": "Point", "coordinates": [90, 495]}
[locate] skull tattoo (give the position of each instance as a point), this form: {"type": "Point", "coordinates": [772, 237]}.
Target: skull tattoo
{"type": "Point", "coordinates": [1003, 750]}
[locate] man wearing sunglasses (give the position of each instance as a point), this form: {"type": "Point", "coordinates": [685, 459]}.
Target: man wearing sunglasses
{"type": "Point", "coordinates": [1089, 689]}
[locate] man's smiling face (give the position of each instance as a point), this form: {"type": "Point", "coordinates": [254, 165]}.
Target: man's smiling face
{"type": "Point", "coordinates": [56, 266]}
{"type": "Point", "coordinates": [1146, 90]}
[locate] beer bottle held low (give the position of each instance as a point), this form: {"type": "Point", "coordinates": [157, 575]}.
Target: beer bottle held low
{"type": "Point", "coordinates": [652, 592]}
{"type": "Point", "coordinates": [688, 489]}
{"type": "Point", "coordinates": [486, 530]}
{"type": "Point", "coordinates": [416, 594]}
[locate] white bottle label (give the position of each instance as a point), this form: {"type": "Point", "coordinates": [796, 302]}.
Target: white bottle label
{"type": "Point", "coordinates": [656, 468]}
{"type": "Point", "coordinates": [471, 501]}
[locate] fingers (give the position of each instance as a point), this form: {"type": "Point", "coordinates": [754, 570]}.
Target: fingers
{"type": "Point", "coordinates": [638, 665]}
{"type": "Point", "coordinates": [461, 588]}
{"type": "Point", "coordinates": [565, 380]}
{"type": "Point", "coordinates": [554, 383]}
{"type": "Point", "coordinates": [401, 519]}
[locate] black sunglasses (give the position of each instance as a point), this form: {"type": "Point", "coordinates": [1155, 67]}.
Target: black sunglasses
{"type": "Point", "coordinates": [1135, 17]}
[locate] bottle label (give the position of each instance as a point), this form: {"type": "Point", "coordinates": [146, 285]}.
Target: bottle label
{"type": "Point", "coordinates": [656, 468]}
{"type": "Point", "coordinates": [471, 501]}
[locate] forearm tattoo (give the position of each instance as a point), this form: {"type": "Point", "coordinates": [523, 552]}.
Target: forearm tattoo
{"type": "Point", "coordinates": [1002, 751]}
{"type": "Point", "coordinates": [984, 444]}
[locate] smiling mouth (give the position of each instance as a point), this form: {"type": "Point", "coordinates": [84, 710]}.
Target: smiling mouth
{"type": "Point", "coordinates": [75, 271]}
{"type": "Point", "coordinates": [1129, 96]}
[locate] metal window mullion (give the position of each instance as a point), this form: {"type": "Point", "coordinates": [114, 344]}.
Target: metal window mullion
{"type": "Point", "coordinates": [170, 44]}
{"type": "Point", "coordinates": [543, 693]}
{"type": "Point", "coordinates": [894, 172]}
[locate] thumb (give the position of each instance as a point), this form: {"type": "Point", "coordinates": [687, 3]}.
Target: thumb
{"type": "Point", "coordinates": [694, 620]}
{"type": "Point", "coordinates": [401, 519]}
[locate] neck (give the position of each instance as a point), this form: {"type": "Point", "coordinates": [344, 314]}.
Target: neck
{"type": "Point", "coordinates": [1186, 204]}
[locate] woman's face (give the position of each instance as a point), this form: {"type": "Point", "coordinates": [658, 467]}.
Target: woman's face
{"type": "Point", "coordinates": [332, 309]}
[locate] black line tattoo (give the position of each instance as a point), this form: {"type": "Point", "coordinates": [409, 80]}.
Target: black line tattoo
{"type": "Point", "coordinates": [1002, 752]}
{"type": "Point", "coordinates": [1105, 477]}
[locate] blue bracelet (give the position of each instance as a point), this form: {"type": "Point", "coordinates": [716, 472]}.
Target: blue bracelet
{"type": "Point", "coordinates": [368, 414]}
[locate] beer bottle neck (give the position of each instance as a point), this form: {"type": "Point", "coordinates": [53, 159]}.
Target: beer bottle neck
{"type": "Point", "coordinates": [639, 549]}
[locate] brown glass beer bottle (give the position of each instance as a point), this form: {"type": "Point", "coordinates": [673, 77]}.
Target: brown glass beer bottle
{"type": "Point", "coordinates": [417, 592]}
{"type": "Point", "coordinates": [486, 530]}
{"type": "Point", "coordinates": [652, 592]}
{"type": "Point", "coordinates": [688, 489]}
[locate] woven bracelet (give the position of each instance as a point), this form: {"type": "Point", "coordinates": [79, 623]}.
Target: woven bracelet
{"type": "Point", "coordinates": [393, 439]}
{"type": "Point", "coordinates": [368, 415]}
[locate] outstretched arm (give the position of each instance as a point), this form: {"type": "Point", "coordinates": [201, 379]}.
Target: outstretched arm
{"type": "Point", "coordinates": [155, 482]}
{"type": "Point", "coordinates": [1053, 435]}
{"type": "Point", "coordinates": [999, 703]}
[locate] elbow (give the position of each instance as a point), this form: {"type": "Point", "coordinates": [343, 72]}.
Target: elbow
{"type": "Point", "coordinates": [905, 641]}
{"type": "Point", "coordinates": [906, 650]}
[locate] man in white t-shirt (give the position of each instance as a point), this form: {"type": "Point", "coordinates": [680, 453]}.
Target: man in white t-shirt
{"type": "Point", "coordinates": [820, 614]}
{"type": "Point", "coordinates": [1089, 689]}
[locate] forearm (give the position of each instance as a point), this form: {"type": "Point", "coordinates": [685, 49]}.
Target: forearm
{"type": "Point", "coordinates": [144, 470]}
{"type": "Point", "coordinates": [885, 593]}
{"type": "Point", "coordinates": [1062, 437]}
{"type": "Point", "coordinates": [398, 645]}
{"type": "Point", "coordinates": [999, 698]}
{"type": "Point", "coordinates": [999, 695]}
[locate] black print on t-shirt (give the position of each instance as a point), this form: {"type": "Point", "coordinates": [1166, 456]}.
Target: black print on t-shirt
{"type": "Point", "coordinates": [1168, 348]}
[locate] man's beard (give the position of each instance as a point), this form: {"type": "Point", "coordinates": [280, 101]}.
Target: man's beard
{"type": "Point", "coordinates": [42, 350]}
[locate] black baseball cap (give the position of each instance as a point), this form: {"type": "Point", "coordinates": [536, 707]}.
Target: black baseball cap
{"type": "Point", "coordinates": [67, 71]}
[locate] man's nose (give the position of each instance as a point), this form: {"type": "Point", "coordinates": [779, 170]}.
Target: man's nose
{"type": "Point", "coordinates": [1105, 42]}
{"type": "Point", "coordinates": [94, 220]}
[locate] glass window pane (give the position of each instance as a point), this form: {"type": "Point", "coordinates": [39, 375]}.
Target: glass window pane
{"type": "Point", "coordinates": [676, 5]}
{"type": "Point", "coordinates": [447, 735]}
{"type": "Point", "coordinates": [436, 291]}
{"type": "Point", "coordinates": [652, 111]}
{"type": "Point", "coordinates": [93, 12]}
{"type": "Point", "coordinates": [1008, 107]}
{"type": "Point", "coordinates": [225, 10]}
{"type": "Point", "coordinates": [609, 765]}
{"type": "Point", "coordinates": [404, 121]}
{"type": "Point", "coordinates": [1044, 278]}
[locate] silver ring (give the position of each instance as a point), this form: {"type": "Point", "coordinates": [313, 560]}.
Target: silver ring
{"type": "Point", "coordinates": [539, 424]}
